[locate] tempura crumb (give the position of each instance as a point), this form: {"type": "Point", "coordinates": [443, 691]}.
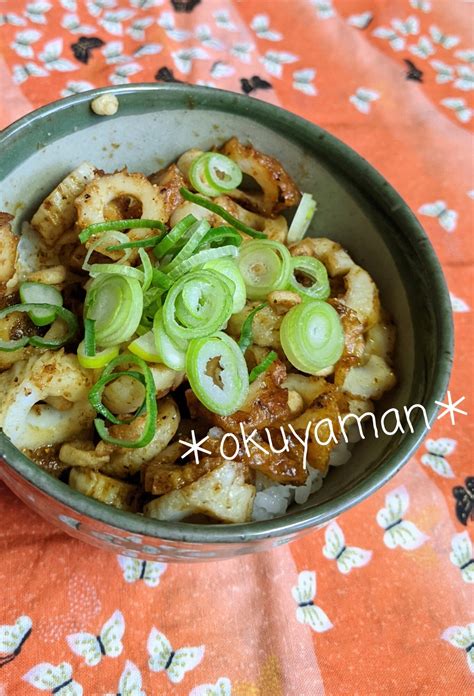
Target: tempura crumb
{"type": "Point", "coordinates": [105, 105]}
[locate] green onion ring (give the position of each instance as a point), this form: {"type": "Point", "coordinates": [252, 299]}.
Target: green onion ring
{"type": "Point", "coordinates": [170, 240]}
{"type": "Point", "coordinates": [312, 336]}
{"type": "Point", "coordinates": [150, 404]}
{"type": "Point", "coordinates": [201, 258]}
{"type": "Point", "coordinates": [115, 225]}
{"type": "Point", "coordinates": [316, 270]}
{"type": "Point", "coordinates": [89, 338]}
{"type": "Point", "coordinates": [147, 243]}
{"type": "Point", "coordinates": [198, 176]}
{"type": "Point", "coordinates": [265, 266]}
{"type": "Point", "coordinates": [214, 208]}
{"type": "Point", "coordinates": [262, 366]}
{"type": "Point", "coordinates": [246, 335]}
{"type": "Point", "coordinates": [68, 317]}
{"type": "Point", "coordinates": [228, 393]}
{"type": "Point", "coordinates": [215, 165]}
{"type": "Point", "coordinates": [215, 301]}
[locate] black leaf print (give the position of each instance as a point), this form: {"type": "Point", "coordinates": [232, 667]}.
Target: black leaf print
{"type": "Point", "coordinates": [164, 74]}
{"type": "Point", "coordinates": [413, 73]}
{"type": "Point", "coordinates": [252, 83]}
{"type": "Point", "coordinates": [83, 48]}
{"type": "Point", "coordinates": [184, 5]}
{"type": "Point", "coordinates": [465, 501]}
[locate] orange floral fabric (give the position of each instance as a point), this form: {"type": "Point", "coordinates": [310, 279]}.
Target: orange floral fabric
{"type": "Point", "coordinates": [392, 614]}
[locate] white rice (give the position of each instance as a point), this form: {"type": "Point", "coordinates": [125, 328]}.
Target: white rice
{"type": "Point", "coordinates": [273, 499]}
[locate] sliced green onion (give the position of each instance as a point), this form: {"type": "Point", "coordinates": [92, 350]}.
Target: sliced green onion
{"type": "Point", "coordinates": [228, 268]}
{"type": "Point", "coordinates": [198, 176]}
{"type": "Point", "coordinates": [217, 373]}
{"type": "Point", "coordinates": [150, 405]}
{"type": "Point", "coordinates": [265, 266]}
{"type": "Point", "coordinates": [72, 326]}
{"type": "Point", "coordinates": [39, 293]}
{"type": "Point", "coordinates": [312, 336]}
{"type": "Point", "coordinates": [38, 341]}
{"type": "Point", "coordinates": [144, 346]}
{"type": "Point", "coordinates": [203, 257]}
{"type": "Point", "coordinates": [222, 172]}
{"type": "Point", "coordinates": [161, 280]}
{"type": "Point", "coordinates": [171, 353]}
{"type": "Point", "coordinates": [147, 243]}
{"type": "Point", "coordinates": [100, 243]}
{"type": "Point", "coordinates": [214, 208]}
{"type": "Point", "coordinates": [262, 366]}
{"type": "Point", "coordinates": [95, 395]}
{"type": "Point", "coordinates": [214, 302]}
{"type": "Point", "coordinates": [217, 236]}
{"type": "Point", "coordinates": [302, 219]}
{"type": "Point", "coordinates": [195, 234]}
{"type": "Point", "coordinates": [147, 269]}
{"type": "Point", "coordinates": [68, 317]}
{"type": "Point", "coordinates": [170, 240]}
{"type": "Point", "coordinates": [97, 361]}
{"type": "Point", "coordinates": [89, 338]}
{"type": "Point", "coordinates": [114, 225]}
{"type": "Point", "coordinates": [10, 346]}
{"type": "Point", "coordinates": [113, 268]}
{"type": "Point", "coordinates": [115, 302]}
{"type": "Point", "coordinates": [316, 271]}
{"type": "Point", "coordinates": [246, 335]}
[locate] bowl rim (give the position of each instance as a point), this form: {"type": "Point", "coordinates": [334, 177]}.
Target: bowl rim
{"type": "Point", "coordinates": [279, 120]}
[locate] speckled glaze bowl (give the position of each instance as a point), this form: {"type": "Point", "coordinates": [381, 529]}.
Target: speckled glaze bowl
{"type": "Point", "coordinates": [356, 206]}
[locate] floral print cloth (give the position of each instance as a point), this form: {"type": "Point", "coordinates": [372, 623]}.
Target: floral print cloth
{"type": "Point", "coordinates": [380, 601]}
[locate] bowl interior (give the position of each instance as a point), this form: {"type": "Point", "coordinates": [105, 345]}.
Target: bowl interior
{"type": "Point", "coordinates": [356, 207]}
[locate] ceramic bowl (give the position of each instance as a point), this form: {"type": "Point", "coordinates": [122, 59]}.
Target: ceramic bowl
{"type": "Point", "coordinates": [356, 207]}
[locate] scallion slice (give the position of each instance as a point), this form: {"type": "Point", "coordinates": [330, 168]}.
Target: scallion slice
{"type": "Point", "coordinates": [265, 266]}
{"type": "Point", "coordinates": [98, 269]}
{"type": "Point", "coordinates": [218, 210]}
{"type": "Point", "coordinates": [195, 234]}
{"type": "Point", "coordinates": [68, 317]}
{"type": "Point", "coordinates": [199, 178]}
{"type": "Point", "coordinates": [262, 366]}
{"type": "Point", "coordinates": [115, 302]}
{"type": "Point", "coordinates": [316, 271]}
{"type": "Point", "coordinates": [246, 335]}
{"type": "Point", "coordinates": [171, 353]}
{"type": "Point", "coordinates": [302, 219]}
{"type": "Point", "coordinates": [147, 243]}
{"type": "Point", "coordinates": [100, 358]}
{"type": "Point", "coordinates": [114, 225]}
{"type": "Point", "coordinates": [89, 338]}
{"type": "Point", "coordinates": [217, 373]}
{"type": "Point", "coordinates": [213, 302]}
{"type": "Point", "coordinates": [218, 236]}
{"type": "Point", "coordinates": [312, 336]}
{"type": "Point", "coordinates": [14, 344]}
{"type": "Point", "coordinates": [201, 258]}
{"type": "Point", "coordinates": [174, 236]}
{"type": "Point", "coordinates": [145, 377]}
{"type": "Point", "coordinates": [39, 293]}
{"type": "Point", "coordinates": [144, 346]}
{"type": "Point", "coordinates": [100, 243]}
{"type": "Point", "coordinates": [228, 268]}
{"type": "Point", "coordinates": [147, 269]}
{"type": "Point", "coordinates": [222, 172]}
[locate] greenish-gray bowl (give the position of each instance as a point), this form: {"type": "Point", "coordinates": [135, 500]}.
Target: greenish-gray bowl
{"type": "Point", "coordinates": [356, 206]}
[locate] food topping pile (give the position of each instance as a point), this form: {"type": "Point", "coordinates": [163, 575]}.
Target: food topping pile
{"type": "Point", "coordinates": [138, 312]}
